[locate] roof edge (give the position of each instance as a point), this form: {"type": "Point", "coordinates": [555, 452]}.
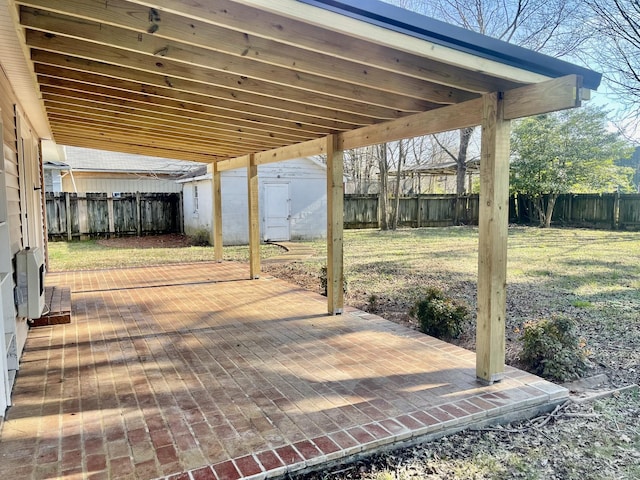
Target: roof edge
{"type": "Point", "coordinates": [420, 26]}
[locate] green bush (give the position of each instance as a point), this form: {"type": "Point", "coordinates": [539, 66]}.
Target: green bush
{"type": "Point", "coordinates": [553, 349]}
{"type": "Point", "coordinates": [440, 315]}
{"type": "Point", "coordinates": [199, 238]}
{"type": "Point", "coordinates": [323, 281]}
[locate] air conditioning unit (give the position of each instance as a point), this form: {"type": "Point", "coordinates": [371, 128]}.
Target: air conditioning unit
{"type": "Point", "coordinates": [30, 282]}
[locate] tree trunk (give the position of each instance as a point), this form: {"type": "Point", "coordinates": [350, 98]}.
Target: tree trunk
{"type": "Point", "coordinates": [461, 160]}
{"type": "Point", "coordinates": [550, 205]}
{"type": "Point", "coordinates": [396, 204]}
{"type": "Point", "coordinates": [461, 171]}
{"type": "Point", "coordinates": [383, 196]}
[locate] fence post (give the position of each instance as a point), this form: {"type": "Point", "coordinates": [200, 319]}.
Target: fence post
{"type": "Point", "coordinates": [616, 212]}
{"type": "Point", "coordinates": [418, 212]}
{"type": "Point", "coordinates": [67, 205]}
{"type": "Point", "coordinates": [139, 214]}
{"type": "Point", "coordinates": [83, 218]}
{"type": "Point", "coordinates": [110, 212]}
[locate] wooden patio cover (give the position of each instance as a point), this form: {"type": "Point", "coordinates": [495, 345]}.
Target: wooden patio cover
{"type": "Point", "coordinates": [239, 83]}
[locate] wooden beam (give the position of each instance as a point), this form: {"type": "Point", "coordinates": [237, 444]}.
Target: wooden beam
{"type": "Point", "coordinates": [217, 38]}
{"type": "Point", "coordinates": [298, 150]}
{"type": "Point", "coordinates": [550, 96]}
{"type": "Point", "coordinates": [451, 117]}
{"type": "Point", "coordinates": [225, 64]}
{"type": "Point", "coordinates": [216, 223]}
{"type": "Point", "coordinates": [284, 95]}
{"type": "Point", "coordinates": [493, 232]}
{"type": "Point", "coordinates": [254, 218]}
{"type": "Point", "coordinates": [244, 100]}
{"type": "Point", "coordinates": [232, 163]}
{"type": "Point", "coordinates": [338, 36]}
{"type": "Point", "coordinates": [335, 214]}
{"type": "Point", "coordinates": [79, 140]}
{"type": "Point", "coordinates": [179, 116]}
{"type": "Point", "coordinates": [87, 81]}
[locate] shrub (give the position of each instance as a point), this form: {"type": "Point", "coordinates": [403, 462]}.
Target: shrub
{"type": "Point", "coordinates": [323, 281]}
{"type": "Point", "coordinates": [553, 349]}
{"type": "Point", "coordinates": [440, 315]}
{"type": "Point", "coordinates": [199, 238]}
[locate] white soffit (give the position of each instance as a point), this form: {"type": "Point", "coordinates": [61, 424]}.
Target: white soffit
{"type": "Point", "coordinates": [18, 71]}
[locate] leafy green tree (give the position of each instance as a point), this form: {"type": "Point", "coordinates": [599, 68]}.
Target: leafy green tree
{"type": "Point", "coordinates": [569, 151]}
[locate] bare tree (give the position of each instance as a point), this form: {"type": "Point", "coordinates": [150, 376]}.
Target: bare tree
{"type": "Point", "coordinates": [617, 32]}
{"type": "Point", "coordinates": [383, 196]}
{"type": "Point", "coordinates": [553, 26]}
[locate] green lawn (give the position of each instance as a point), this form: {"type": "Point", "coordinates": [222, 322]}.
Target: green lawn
{"type": "Point", "coordinates": [90, 254]}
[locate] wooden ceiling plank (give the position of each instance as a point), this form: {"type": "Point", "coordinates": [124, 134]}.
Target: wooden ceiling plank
{"type": "Point", "coordinates": [165, 67]}
{"type": "Point", "coordinates": [124, 136]}
{"type": "Point", "coordinates": [60, 114]}
{"type": "Point", "coordinates": [80, 141]}
{"type": "Point", "coordinates": [168, 107]}
{"type": "Point", "coordinates": [82, 101]}
{"type": "Point", "coordinates": [244, 102]}
{"type": "Point", "coordinates": [92, 129]}
{"type": "Point", "coordinates": [261, 23]}
{"type": "Point", "coordinates": [108, 124]}
{"type": "Point", "coordinates": [297, 18]}
{"type": "Point", "coordinates": [189, 101]}
{"type": "Point", "coordinates": [217, 38]}
{"type": "Point", "coordinates": [150, 44]}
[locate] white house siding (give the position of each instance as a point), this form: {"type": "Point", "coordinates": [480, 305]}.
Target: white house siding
{"type": "Point", "coordinates": [307, 189]}
{"type": "Point", "coordinates": [20, 225]}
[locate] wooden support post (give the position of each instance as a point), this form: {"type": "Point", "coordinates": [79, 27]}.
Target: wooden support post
{"type": "Point", "coordinates": [335, 218]}
{"type": "Point", "coordinates": [254, 218]}
{"type": "Point", "coordinates": [216, 222]}
{"type": "Point", "coordinates": [493, 232]}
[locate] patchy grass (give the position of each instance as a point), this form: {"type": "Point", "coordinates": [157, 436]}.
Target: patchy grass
{"type": "Point", "coordinates": [589, 275]}
{"type": "Point", "coordinates": [97, 254]}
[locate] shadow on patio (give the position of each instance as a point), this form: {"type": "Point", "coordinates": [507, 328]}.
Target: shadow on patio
{"type": "Point", "coordinates": [192, 368]}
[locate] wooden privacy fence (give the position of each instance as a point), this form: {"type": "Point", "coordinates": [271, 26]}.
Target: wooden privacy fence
{"type": "Point", "coordinates": [71, 215]}
{"type": "Point", "coordinates": [614, 211]}
{"type": "Point", "coordinates": [362, 211]}
{"type": "Point", "coordinates": [606, 210]}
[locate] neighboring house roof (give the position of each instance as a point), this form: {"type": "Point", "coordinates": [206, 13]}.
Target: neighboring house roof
{"type": "Point", "coordinates": [89, 160]}
{"type": "Point", "coordinates": [441, 168]}
{"type": "Point", "coordinates": [52, 165]}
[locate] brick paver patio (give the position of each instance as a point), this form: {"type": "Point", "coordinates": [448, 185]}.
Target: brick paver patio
{"type": "Point", "coordinates": [194, 372]}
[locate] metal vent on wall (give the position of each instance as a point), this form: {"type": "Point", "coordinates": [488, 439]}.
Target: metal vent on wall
{"type": "Point", "coordinates": [30, 282]}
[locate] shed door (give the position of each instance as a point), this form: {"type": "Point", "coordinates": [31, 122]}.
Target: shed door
{"type": "Point", "coordinates": [277, 213]}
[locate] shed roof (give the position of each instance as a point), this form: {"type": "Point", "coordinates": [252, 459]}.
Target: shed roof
{"type": "Point", "coordinates": [90, 160]}
{"type": "Point", "coordinates": [209, 81]}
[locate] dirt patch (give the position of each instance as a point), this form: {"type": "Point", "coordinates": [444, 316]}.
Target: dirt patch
{"type": "Point", "coordinates": [172, 240]}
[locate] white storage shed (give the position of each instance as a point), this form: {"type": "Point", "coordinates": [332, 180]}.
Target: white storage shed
{"type": "Point", "coordinates": [293, 202]}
